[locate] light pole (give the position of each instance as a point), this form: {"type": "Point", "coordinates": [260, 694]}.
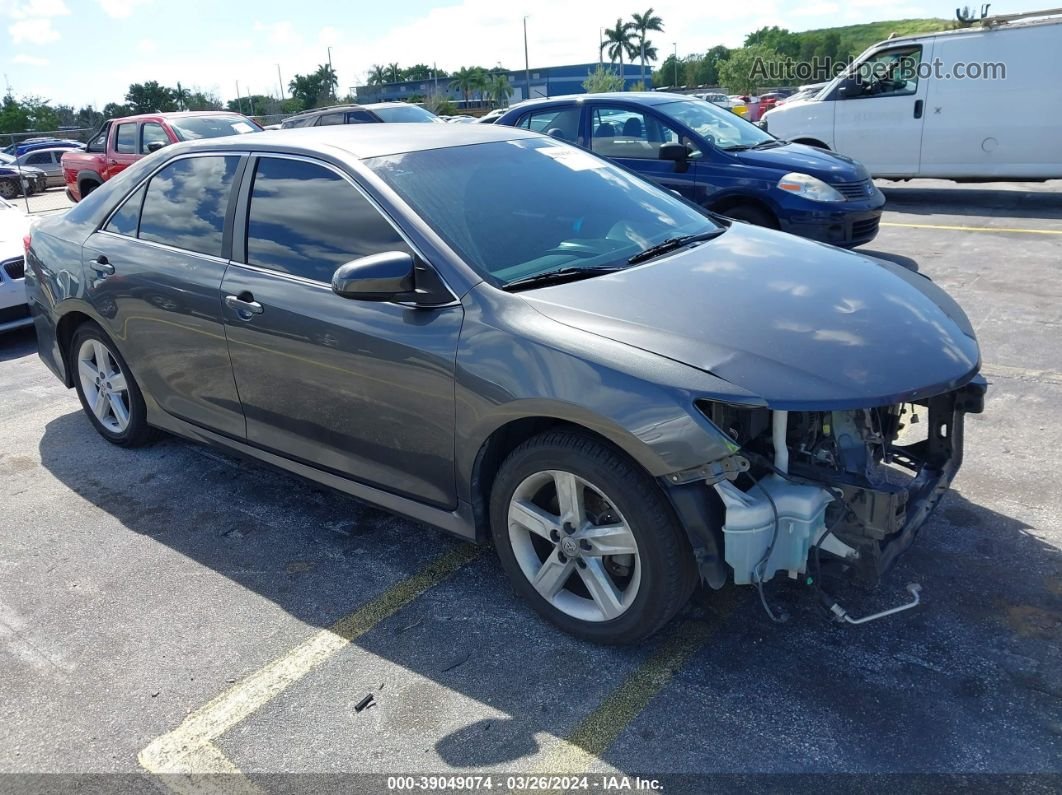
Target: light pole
{"type": "Point", "coordinates": [675, 45]}
{"type": "Point", "coordinates": [281, 81]}
{"type": "Point", "coordinates": [527, 66]}
{"type": "Point", "coordinates": [601, 47]}
{"type": "Point", "coordinates": [331, 86]}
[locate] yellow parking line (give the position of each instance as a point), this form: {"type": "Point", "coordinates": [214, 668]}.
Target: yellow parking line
{"type": "Point", "coordinates": [183, 756]}
{"type": "Point", "coordinates": [977, 228]}
{"type": "Point", "coordinates": [601, 728]}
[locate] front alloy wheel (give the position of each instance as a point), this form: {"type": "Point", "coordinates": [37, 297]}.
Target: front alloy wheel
{"type": "Point", "coordinates": [588, 538]}
{"type": "Point", "coordinates": [574, 546]}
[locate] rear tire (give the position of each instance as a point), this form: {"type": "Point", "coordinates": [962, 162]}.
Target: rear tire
{"type": "Point", "coordinates": [593, 530]}
{"type": "Point", "coordinates": [752, 214]}
{"type": "Point", "coordinates": [107, 390]}
{"type": "Point", "coordinates": [87, 188]}
{"type": "Point", "coordinates": [8, 189]}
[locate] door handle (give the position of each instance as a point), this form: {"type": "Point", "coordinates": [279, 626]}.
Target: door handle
{"type": "Point", "coordinates": [918, 108]}
{"type": "Point", "coordinates": [243, 305]}
{"type": "Point", "coordinates": [101, 265]}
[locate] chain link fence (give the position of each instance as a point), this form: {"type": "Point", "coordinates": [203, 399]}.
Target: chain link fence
{"type": "Point", "coordinates": [21, 181]}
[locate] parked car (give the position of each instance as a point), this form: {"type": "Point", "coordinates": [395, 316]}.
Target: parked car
{"type": "Point", "coordinates": [492, 117]}
{"type": "Point", "coordinates": [14, 227]}
{"type": "Point", "coordinates": [607, 382]}
{"type": "Point", "coordinates": [15, 179]}
{"type": "Point", "coordinates": [718, 161]}
{"type": "Point", "coordinates": [462, 119]}
{"type": "Point", "coordinates": [121, 142]}
{"type": "Point", "coordinates": [362, 114]}
{"type": "Point", "coordinates": [50, 161]}
{"type": "Point", "coordinates": [901, 111]}
{"type": "Point", "coordinates": [30, 144]}
{"type": "Point", "coordinates": [809, 91]}
{"type": "Point", "coordinates": [722, 100]}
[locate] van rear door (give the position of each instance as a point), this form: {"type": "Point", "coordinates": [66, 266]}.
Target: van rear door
{"type": "Point", "coordinates": [880, 113]}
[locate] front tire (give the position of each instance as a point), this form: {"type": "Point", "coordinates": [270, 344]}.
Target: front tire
{"type": "Point", "coordinates": [588, 539]}
{"type": "Point", "coordinates": [752, 214]}
{"type": "Point", "coordinates": [107, 390]}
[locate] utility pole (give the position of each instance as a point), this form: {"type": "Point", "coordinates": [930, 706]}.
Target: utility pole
{"type": "Point", "coordinates": [675, 45]}
{"type": "Point", "coordinates": [281, 81]}
{"type": "Point", "coordinates": [239, 99]}
{"type": "Point", "coordinates": [527, 65]}
{"type": "Point", "coordinates": [601, 47]}
{"type": "Point", "coordinates": [331, 86]}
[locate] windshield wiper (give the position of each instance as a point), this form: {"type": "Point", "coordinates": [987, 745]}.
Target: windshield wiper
{"type": "Point", "coordinates": [671, 244]}
{"type": "Point", "coordinates": [768, 144]}
{"type": "Point", "coordinates": [558, 276]}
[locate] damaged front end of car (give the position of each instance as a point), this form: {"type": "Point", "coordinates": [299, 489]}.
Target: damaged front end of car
{"type": "Point", "coordinates": [845, 489]}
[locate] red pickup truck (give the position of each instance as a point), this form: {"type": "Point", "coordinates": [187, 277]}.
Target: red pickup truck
{"type": "Point", "coordinates": [121, 142]}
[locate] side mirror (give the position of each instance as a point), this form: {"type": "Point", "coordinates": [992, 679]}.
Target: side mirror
{"type": "Point", "coordinates": [387, 276]}
{"type": "Point", "coordinates": [850, 87]}
{"type": "Point", "coordinates": [678, 153]}
{"type": "Point", "coordinates": [155, 146]}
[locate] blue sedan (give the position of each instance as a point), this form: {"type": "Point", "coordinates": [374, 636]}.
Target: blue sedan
{"type": "Point", "coordinates": [717, 160]}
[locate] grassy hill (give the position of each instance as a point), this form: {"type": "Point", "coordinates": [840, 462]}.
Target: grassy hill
{"type": "Point", "coordinates": [856, 38]}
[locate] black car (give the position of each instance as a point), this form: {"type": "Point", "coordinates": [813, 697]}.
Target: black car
{"type": "Point", "coordinates": [388, 112]}
{"type": "Point", "coordinates": [506, 337]}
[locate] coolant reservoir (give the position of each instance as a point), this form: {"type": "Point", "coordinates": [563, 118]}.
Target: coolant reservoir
{"type": "Point", "coordinates": [750, 521]}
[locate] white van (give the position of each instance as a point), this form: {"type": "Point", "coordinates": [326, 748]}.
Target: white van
{"type": "Point", "coordinates": [902, 111]}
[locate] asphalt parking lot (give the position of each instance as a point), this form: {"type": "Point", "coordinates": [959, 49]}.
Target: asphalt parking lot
{"type": "Point", "coordinates": [173, 610]}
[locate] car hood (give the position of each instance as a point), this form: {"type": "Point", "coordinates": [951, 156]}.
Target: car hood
{"type": "Point", "coordinates": [803, 325]}
{"type": "Point", "coordinates": [13, 227]}
{"type": "Point", "coordinates": [827, 166]}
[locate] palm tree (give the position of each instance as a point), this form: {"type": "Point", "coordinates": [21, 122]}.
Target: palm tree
{"type": "Point", "coordinates": [619, 40]}
{"type": "Point", "coordinates": [465, 80]}
{"type": "Point", "coordinates": [377, 75]}
{"type": "Point", "coordinates": [181, 97]}
{"type": "Point", "coordinates": [394, 72]}
{"type": "Point", "coordinates": [642, 24]}
{"type": "Point", "coordinates": [499, 88]}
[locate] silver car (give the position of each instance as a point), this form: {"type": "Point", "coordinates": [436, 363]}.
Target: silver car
{"type": "Point", "coordinates": [47, 160]}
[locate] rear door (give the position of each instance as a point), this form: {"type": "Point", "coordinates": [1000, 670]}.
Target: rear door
{"type": "Point", "coordinates": [880, 123]}
{"type": "Point", "coordinates": [154, 275]}
{"type": "Point", "coordinates": [361, 389]}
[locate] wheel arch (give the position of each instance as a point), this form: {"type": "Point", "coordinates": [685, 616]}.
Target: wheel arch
{"type": "Point", "coordinates": [810, 142]}
{"type": "Point", "coordinates": [729, 202]}
{"type": "Point", "coordinates": [65, 328]}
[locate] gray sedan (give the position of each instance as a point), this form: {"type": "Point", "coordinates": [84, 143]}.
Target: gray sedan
{"type": "Point", "coordinates": [47, 160]}
{"type": "Point", "coordinates": [506, 337]}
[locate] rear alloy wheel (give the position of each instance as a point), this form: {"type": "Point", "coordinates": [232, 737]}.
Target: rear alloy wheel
{"type": "Point", "coordinates": [587, 538]}
{"type": "Point", "coordinates": [8, 189]}
{"type": "Point", "coordinates": [108, 393]}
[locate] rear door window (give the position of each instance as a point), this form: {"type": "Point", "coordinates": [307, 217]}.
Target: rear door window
{"type": "Point", "coordinates": [306, 220]}
{"type": "Point", "coordinates": [152, 133]}
{"type": "Point", "coordinates": [126, 139]}
{"type": "Point", "coordinates": [562, 123]}
{"type": "Point", "coordinates": [186, 203]}
{"type": "Point", "coordinates": [330, 119]}
{"type": "Point", "coordinates": [127, 219]}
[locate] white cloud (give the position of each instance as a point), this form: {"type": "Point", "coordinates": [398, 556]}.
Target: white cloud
{"type": "Point", "coordinates": [30, 60]}
{"type": "Point", "coordinates": [36, 9]}
{"type": "Point", "coordinates": [147, 46]}
{"type": "Point", "coordinates": [121, 9]}
{"type": "Point", "coordinates": [278, 32]}
{"type": "Point", "coordinates": [33, 31]}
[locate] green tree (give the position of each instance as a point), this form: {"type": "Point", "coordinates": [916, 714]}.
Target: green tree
{"type": "Point", "coordinates": [418, 71]}
{"type": "Point", "coordinates": [394, 73]}
{"type": "Point", "coordinates": [314, 89]}
{"type": "Point", "coordinates": [180, 96]}
{"type": "Point", "coordinates": [664, 75]}
{"type": "Point", "coordinates": [619, 41]}
{"type": "Point", "coordinates": [150, 97]}
{"type": "Point", "coordinates": [775, 38]}
{"type": "Point", "coordinates": [468, 80]}
{"type": "Point", "coordinates": [203, 100]}
{"type": "Point", "coordinates": [601, 80]}
{"type": "Point", "coordinates": [499, 89]}
{"type": "Point", "coordinates": [377, 75]}
{"type": "Point", "coordinates": [642, 24]}
{"type": "Point", "coordinates": [742, 72]}
{"type": "Point", "coordinates": [115, 110]}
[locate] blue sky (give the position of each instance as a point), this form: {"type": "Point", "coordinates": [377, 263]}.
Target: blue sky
{"type": "Point", "coordinates": [88, 51]}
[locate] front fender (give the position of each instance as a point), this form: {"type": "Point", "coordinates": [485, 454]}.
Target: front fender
{"type": "Point", "coordinates": [514, 364]}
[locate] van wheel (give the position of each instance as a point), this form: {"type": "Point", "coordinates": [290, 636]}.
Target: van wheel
{"type": "Point", "coordinates": [107, 390]}
{"type": "Point", "coordinates": [752, 214]}
{"type": "Point", "coordinates": [588, 540]}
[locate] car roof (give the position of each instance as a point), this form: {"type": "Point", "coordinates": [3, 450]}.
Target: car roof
{"type": "Point", "coordinates": [46, 149]}
{"type": "Point", "coordinates": [360, 141]}
{"type": "Point", "coordinates": [634, 97]}
{"type": "Point", "coordinates": [180, 114]}
{"type": "Point", "coordinates": [328, 109]}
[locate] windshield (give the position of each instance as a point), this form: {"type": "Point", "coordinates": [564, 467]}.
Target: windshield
{"type": "Point", "coordinates": [194, 127]}
{"type": "Point", "coordinates": [725, 129]}
{"type": "Point", "coordinates": [516, 209]}
{"type": "Point", "coordinates": [405, 114]}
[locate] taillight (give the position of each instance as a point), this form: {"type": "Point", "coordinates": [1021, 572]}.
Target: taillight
{"type": "Point", "coordinates": [26, 240]}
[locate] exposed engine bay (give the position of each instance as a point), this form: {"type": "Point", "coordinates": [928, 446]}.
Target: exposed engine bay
{"type": "Point", "coordinates": [845, 489]}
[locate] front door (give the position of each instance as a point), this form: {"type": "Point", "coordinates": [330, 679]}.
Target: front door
{"type": "Point", "coordinates": [879, 120]}
{"type": "Point", "coordinates": [362, 389]}
{"type": "Point", "coordinates": [123, 152]}
{"type": "Point", "coordinates": [632, 137]}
